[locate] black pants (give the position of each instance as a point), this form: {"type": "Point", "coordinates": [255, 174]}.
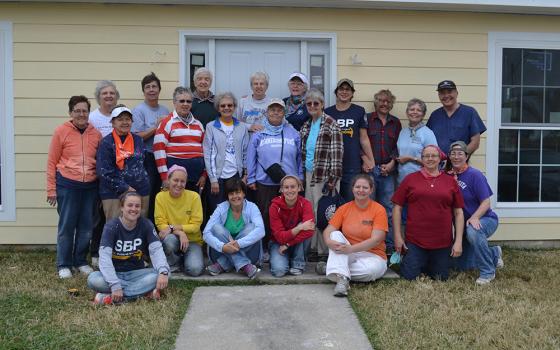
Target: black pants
{"type": "Point", "coordinates": [265, 194]}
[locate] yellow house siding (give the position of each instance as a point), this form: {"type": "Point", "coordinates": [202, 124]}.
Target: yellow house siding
{"type": "Point", "coordinates": [64, 49]}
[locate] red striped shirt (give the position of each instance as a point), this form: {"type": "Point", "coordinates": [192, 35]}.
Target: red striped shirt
{"type": "Point", "coordinates": [176, 139]}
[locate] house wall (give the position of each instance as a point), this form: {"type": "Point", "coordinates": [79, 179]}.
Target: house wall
{"type": "Point", "coordinates": [64, 49]}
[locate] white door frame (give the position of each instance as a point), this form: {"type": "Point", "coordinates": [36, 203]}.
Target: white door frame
{"type": "Point", "coordinates": [211, 35]}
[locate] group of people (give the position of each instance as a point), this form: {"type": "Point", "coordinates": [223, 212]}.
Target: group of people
{"type": "Point", "coordinates": [245, 179]}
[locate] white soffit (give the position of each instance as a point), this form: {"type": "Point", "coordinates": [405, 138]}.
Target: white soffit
{"type": "Point", "coordinates": [541, 7]}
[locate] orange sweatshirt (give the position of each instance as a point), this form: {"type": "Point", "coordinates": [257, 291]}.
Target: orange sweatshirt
{"type": "Point", "coordinates": [72, 154]}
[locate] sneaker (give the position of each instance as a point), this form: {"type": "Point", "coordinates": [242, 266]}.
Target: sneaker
{"type": "Point", "coordinates": [295, 271]}
{"type": "Point", "coordinates": [251, 271]}
{"type": "Point", "coordinates": [321, 268]}
{"type": "Point", "coordinates": [64, 273]}
{"type": "Point", "coordinates": [153, 295]}
{"type": "Point", "coordinates": [500, 263]}
{"type": "Point", "coordinates": [484, 280]}
{"type": "Point", "coordinates": [215, 269]}
{"type": "Point", "coordinates": [266, 257]}
{"type": "Point", "coordinates": [342, 286]}
{"type": "Point", "coordinates": [102, 299]}
{"type": "Point", "coordinates": [85, 269]}
{"type": "Point", "coordinates": [95, 262]}
{"type": "Point", "coordinates": [174, 268]}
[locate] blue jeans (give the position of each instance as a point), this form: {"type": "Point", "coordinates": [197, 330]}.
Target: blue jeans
{"type": "Point", "coordinates": [134, 283]}
{"type": "Point", "coordinates": [485, 257]}
{"type": "Point", "coordinates": [294, 256]}
{"type": "Point", "coordinates": [193, 259]}
{"type": "Point", "coordinates": [75, 223]}
{"type": "Point", "coordinates": [384, 190]}
{"type": "Point", "coordinates": [248, 255]}
{"type": "Point", "coordinates": [435, 262]}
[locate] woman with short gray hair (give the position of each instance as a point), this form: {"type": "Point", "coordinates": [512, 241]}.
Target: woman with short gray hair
{"type": "Point", "coordinates": [203, 102]}
{"type": "Point", "coordinates": [296, 112]}
{"type": "Point", "coordinates": [107, 96]}
{"type": "Point", "coordinates": [252, 109]}
{"type": "Point", "coordinates": [225, 148]}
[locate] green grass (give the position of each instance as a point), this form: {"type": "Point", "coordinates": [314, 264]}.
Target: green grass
{"type": "Point", "coordinates": [519, 310]}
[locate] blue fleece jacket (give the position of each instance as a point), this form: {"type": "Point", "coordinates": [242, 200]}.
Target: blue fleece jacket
{"type": "Point", "coordinates": [114, 181]}
{"type": "Point", "coordinates": [265, 150]}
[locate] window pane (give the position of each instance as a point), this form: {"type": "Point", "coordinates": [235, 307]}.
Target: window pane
{"type": "Point", "coordinates": [553, 68]}
{"type": "Point", "coordinates": [552, 106]}
{"type": "Point", "coordinates": [507, 183]}
{"type": "Point", "coordinates": [532, 105]}
{"type": "Point", "coordinates": [529, 144]}
{"type": "Point", "coordinates": [551, 147]}
{"type": "Point", "coordinates": [533, 67]}
{"type": "Point", "coordinates": [550, 190]}
{"type": "Point", "coordinates": [511, 67]}
{"type": "Point", "coordinates": [508, 147]}
{"type": "Point", "coordinates": [529, 183]}
{"type": "Point", "coordinates": [511, 105]}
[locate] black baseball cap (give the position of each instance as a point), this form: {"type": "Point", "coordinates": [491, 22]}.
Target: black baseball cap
{"type": "Point", "coordinates": [446, 84]}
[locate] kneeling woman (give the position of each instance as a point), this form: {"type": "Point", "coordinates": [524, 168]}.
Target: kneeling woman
{"type": "Point", "coordinates": [292, 225]}
{"type": "Point", "coordinates": [234, 232]}
{"type": "Point", "coordinates": [124, 243]}
{"type": "Point", "coordinates": [178, 216]}
{"type": "Point", "coordinates": [356, 238]}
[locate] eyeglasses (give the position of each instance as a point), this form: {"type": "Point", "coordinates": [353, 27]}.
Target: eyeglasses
{"type": "Point", "coordinates": [296, 83]}
{"type": "Point", "coordinates": [313, 103]}
{"type": "Point", "coordinates": [430, 156]}
{"type": "Point", "coordinates": [457, 153]}
{"type": "Point", "coordinates": [228, 105]}
{"type": "Point", "coordinates": [185, 101]}
{"type": "Point", "coordinates": [80, 111]}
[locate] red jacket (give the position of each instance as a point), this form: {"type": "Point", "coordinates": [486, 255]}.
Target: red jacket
{"type": "Point", "coordinates": [284, 219]}
{"type": "Point", "coordinates": [72, 154]}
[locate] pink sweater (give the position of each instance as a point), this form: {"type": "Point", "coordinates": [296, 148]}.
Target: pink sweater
{"type": "Point", "coordinates": [72, 154]}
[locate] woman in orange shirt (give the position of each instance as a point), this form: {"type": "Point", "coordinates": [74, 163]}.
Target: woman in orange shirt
{"type": "Point", "coordinates": [356, 238]}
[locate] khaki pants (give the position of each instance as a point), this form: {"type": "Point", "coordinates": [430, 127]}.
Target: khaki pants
{"type": "Point", "coordinates": [313, 194]}
{"type": "Point", "coordinates": [112, 207]}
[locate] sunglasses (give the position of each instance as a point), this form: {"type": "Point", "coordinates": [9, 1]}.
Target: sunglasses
{"type": "Point", "coordinates": [229, 105]}
{"type": "Point", "coordinates": [184, 101]}
{"type": "Point", "coordinates": [313, 103]}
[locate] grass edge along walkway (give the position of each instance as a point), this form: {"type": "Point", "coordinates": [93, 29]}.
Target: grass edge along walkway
{"type": "Point", "coordinates": [518, 310]}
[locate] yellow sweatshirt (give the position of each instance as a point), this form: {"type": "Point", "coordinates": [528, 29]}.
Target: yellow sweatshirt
{"type": "Point", "coordinates": [185, 211]}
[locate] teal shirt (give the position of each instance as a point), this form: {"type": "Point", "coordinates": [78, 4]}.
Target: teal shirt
{"type": "Point", "coordinates": [310, 144]}
{"type": "Point", "coordinates": [232, 225]}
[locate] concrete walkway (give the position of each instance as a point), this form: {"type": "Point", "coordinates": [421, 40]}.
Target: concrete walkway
{"type": "Point", "coordinates": [309, 276]}
{"type": "Point", "coordinates": [270, 317]}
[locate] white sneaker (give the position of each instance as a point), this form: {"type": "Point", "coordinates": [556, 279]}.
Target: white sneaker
{"type": "Point", "coordinates": [342, 286]}
{"type": "Point", "coordinates": [85, 269]}
{"type": "Point", "coordinates": [95, 262]}
{"type": "Point", "coordinates": [64, 273]}
{"type": "Point", "coordinates": [500, 263]}
{"type": "Point", "coordinates": [484, 280]}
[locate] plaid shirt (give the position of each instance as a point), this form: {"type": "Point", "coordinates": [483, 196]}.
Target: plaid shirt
{"type": "Point", "coordinates": [383, 138]}
{"type": "Point", "coordinates": [328, 150]}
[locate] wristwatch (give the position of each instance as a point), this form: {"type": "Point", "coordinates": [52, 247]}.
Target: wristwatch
{"type": "Point", "coordinates": [172, 228]}
{"type": "Point", "coordinates": [165, 273]}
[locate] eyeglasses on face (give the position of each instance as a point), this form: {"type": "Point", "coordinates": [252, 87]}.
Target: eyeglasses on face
{"type": "Point", "coordinates": [185, 101]}
{"type": "Point", "coordinates": [313, 103]}
{"type": "Point", "coordinates": [457, 153]}
{"type": "Point", "coordinates": [80, 111]}
{"type": "Point", "coordinates": [430, 156]}
{"type": "Point", "coordinates": [227, 105]}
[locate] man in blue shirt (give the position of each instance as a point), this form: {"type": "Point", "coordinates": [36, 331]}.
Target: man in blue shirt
{"type": "Point", "coordinates": [454, 121]}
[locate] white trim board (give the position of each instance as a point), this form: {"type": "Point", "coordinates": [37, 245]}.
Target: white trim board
{"type": "Point", "coordinates": [251, 35]}
{"type": "Point", "coordinates": [496, 42]}
{"type": "Point", "coordinates": [7, 153]}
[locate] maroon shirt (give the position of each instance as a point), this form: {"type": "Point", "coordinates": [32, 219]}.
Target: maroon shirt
{"type": "Point", "coordinates": [429, 220]}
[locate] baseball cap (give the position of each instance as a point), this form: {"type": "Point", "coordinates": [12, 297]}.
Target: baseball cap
{"type": "Point", "coordinates": [345, 81]}
{"type": "Point", "coordinates": [460, 144]}
{"type": "Point", "coordinates": [446, 84]}
{"type": "Point", "coordinates": [117, 111]}
{"type": "Point", "coordinates": [276, 101]}
{"type": "Point", "coordinates": [300, 76]}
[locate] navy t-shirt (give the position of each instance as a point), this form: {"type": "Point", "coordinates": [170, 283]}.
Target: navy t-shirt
{"type": "Point", "coordinates": [350, 122]}
{"type": "Point", "coordinates": [129, 246]}
{"type": "Point", "coordinates": [463, 124]}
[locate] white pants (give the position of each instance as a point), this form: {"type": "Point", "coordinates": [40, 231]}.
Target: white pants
{"type": "Point", "coordinates": [360, 266]}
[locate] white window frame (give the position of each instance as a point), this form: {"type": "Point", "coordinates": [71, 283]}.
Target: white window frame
{"type": "Point", "coordinates": [497, 41]}
{"type": "Point", "coordinates": [8, 204]}
{"type": "Point", "coordinates": [212, 35]}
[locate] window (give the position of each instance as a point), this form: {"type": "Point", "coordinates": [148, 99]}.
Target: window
{"type": "Point", "coordinates": [7, 173]}
{"type": "Point", "coordinates": [523, 159]}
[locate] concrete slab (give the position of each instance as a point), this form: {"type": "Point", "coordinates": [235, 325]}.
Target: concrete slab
{"type": "Point", "coordinates": [270, 317]}
{"type": "Point", "coordinates": [309, 276]}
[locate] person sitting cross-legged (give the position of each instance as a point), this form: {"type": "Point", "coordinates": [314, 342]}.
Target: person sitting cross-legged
{"type": "Point", "coordinates": [234, 232]}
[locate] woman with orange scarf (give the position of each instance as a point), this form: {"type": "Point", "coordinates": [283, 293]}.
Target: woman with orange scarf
{"type": "Point", "coordinates": [120, 164]}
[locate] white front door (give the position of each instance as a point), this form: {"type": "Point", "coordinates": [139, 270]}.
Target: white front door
{"type": "Point", "coordinates": [236, 60]}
